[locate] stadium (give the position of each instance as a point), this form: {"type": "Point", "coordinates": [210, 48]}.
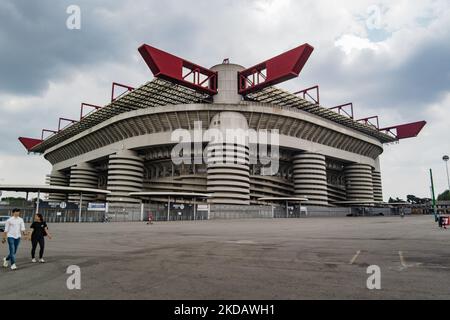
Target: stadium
{"type": "Point", "coordinates": [326, 157]}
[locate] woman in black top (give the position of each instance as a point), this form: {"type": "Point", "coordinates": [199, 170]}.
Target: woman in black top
{"type": "Point", "coordinates": [40, 230]}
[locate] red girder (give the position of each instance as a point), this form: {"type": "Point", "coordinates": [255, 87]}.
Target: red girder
{"type": "Point", "coordinates": [405, 131]}
{"type": "Point", "coordinates": [47, 130]}
{"type": "Point", "coordinates": [83, 105]}
{"type": "Point", "coordinates": [281, 68]}
{"type": "Point", "coordinates": [368, 122]}
{"type": "Point", "coordinates": [114, 85]}
{"type": "Point", "coordinates": [305, 93]}
{"type": "Point", "coordinates": [341, 108]}
{"type": "Point", "coordinates": [169, 67]}
{"type": "Point", "coordinates": [29, 143]}
{"type": "Point", "coordinates": [66, 120]}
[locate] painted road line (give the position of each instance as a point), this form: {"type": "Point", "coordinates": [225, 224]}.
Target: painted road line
{"type": "Point", "coordinates": [402, 259]}
{"type": "Point", "coordinates": [355, 257]}
{"type": "Point", "coordinates": [403, 263]}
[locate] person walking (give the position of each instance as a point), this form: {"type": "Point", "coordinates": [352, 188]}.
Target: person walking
{"type": "Point", "coordinates": [150, 218]}
{"type": "Point", "coordinates": [14, 229]}
{"type": "Point", "coordinates": [40, 231]}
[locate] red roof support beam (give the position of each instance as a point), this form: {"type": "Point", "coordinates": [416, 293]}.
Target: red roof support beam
{"type": "Point", "coordinates": [65, 120]}
{"type": "Point", "coordinates": [306, 94]}
{"type": "Point", "coordinates": [47, 130]}
{"type": "Point", "coordinates": [113, 90]}
{"type": "Point", "coordinates": [368, 122]}
{"type": "Point", "coordinates": [405, 131]}
{"type": "Point", "coordinates": [29, 143]}
{"type": "Point", "coordinates": [84, 105]}
{"type": "Point", "coordinates": [177, 70]}
{"type": "Point", "coordinates": [341, 110]}
{"type": "Point", "coordinates": [281, 68]}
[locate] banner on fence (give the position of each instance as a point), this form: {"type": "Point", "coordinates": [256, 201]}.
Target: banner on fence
{"type": "Point", "coordinates": [97, 207]}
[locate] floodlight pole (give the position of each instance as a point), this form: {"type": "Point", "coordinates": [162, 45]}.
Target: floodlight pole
{"type": "Point", "coordinates": [80, 205]}
{"type": "Point", "coordinates": [195, 208]}
{"type": "Point", "coordinates": [433, 197]}
{"type": "Point", "coordinates": [287, 209]}
{"type": "Point", "coordinates": [38, 201]}
{"type": "Point", "coordinates": [446, 158]}
{"type": "Point", "coordinates": [168, 208]}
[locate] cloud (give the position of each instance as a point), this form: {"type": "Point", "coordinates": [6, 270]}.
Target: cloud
{"type": "Point", "coordinates": [36, 47]}
{"type": "Point", "coordinates": [349, 43]}
{"type": "Point", "coordinates": [406, 165]}
{"type": "Point", "coordinates": [23, 170]}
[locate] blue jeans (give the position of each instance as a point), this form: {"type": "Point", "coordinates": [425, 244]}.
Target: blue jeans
{"type": "Point", "coordinates": [13, 245]}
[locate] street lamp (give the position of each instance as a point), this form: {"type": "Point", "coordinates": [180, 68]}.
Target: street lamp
{"type": "Point", "coordinates": [446, 158]}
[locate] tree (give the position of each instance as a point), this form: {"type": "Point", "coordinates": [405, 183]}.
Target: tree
{"type": "Point", "coordinates": [15, 201]}
{"type": "Point", "coordinates": [416, 200]}
{"type": "Point", "coordinates": [396, 200]}
{"type": "Point", "coordinates": [444, 196]}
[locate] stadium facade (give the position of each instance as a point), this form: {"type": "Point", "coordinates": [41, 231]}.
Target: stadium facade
{"type": "Point", "coordinates": [324, 154]}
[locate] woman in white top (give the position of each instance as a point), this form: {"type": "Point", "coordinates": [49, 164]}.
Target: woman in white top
{"type": "Point", "coordinates": [14, 228]}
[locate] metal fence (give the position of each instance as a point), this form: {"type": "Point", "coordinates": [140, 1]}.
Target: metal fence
{"type": "Point", "coordinates": [56, 215]}
{"type": "Point", "coordinates": [124, 212]}
{"type": "Point", "coordinates": [178, 212]}
{"type": "Point", "coordinates": [240, 212]}
{"type": "Point", "coordinates": [185, 212]}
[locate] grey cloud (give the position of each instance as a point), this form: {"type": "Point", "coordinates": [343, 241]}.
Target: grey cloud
{"type": "Point", "coordinates": [416, 82]}
{"type": "Point", "coordinates": [36, 46]}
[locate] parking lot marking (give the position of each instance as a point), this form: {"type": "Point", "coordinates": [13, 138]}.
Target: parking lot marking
{"type": "Point", "coordinates": [355, 257]}
{"type": "Point", "coordinates": [402, 259]}
{"type": "Point", "coordinates": [403, 263]}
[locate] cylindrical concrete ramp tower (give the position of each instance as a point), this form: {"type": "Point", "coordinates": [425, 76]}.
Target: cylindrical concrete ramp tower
{"type": "Point", "coordinates": [377, 187]}
{"type": "Point", "coordinates": [58, 179]}
{"type": "Point", "coordinates": [125, 175]}
{"type": "Point", "coordinates": [228, 160]}
{"type": "Point", "coordinates": [359, 185]}
{"type": "Point", "coordinates": [310, 178]}
{"type": "Point", "coordinates": [83, 175]}
{"type": "Point", "coordinates": [227, 83]}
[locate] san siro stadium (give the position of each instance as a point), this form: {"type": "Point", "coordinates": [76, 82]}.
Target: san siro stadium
{"type": "Point", "coordinates": [325, 157]}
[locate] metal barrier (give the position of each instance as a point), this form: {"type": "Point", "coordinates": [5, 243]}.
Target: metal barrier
{"type": "Point", "coordinates": [240, 212]}
{"type": "Point", "coordinates": [178, 212]}
{"type": "Point", "coordinates": [56, 215]}
{"type": "Point", "coordinates": [185, 212]}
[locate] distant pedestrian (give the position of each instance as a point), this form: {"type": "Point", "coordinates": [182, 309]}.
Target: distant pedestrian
{"type": "Point", "coordinates": [40, 231]}
{"type": "Point", "coordinates": [150, 218]}
{"type": "Point", "coordinates": [14, 229]}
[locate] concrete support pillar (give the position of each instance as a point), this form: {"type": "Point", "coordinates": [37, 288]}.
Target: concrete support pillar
{"type": "Point", "coordinates": [125, 175]}
{"type": "Point", "coordinates": [310, 178]}
{"type": "Point", "coordinates": [228, 162]}
{"type": "Point", "coordinates": [359, 183]}
{"type": "Point", "coordinates": [83, 175]}
{"type": "Point", "coordinates": [59, 179]}
{"type": "Point", "coordinates": [377, 186]}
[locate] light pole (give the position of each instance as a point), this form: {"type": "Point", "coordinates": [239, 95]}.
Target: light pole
{"type": "Point", "coordinates": [446, 158]}
{"type": "Point", "coordinates": [433, 197]}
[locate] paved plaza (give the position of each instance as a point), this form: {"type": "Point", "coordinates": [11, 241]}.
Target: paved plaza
{"type": "Point", "coordinates": [314, 258]}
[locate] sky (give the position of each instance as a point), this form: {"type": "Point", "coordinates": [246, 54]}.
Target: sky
{"type": "Point", "coordinates": [390, 58]}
